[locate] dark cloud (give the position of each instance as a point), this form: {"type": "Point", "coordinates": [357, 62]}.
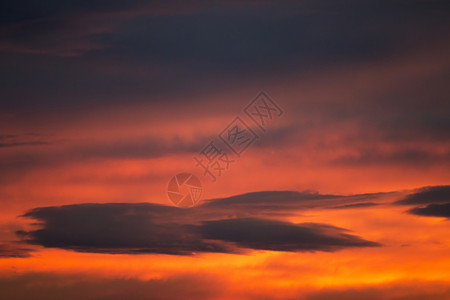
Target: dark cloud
{"type": "Point", "coordinates": [74, 29]}
{"type": "Point", "coordinates": [267, 199]}
{"type": "Point", "coordinates": [15, 144]}
{"type": "Point", "coordinates": [152, 228]}
{"type": "Point", "coordinates": [13, 140]}
{"type": "Point", "coordinates": [197, 43]}
{"type": "Point", "coordinates": [18, 163]}
{"type": "Point", "coordinates": [73, 58]}
{"type": "Point", "coordinates": [436, 199]}
{"type": "Point", "coordinates": [432, 210]}
{"type": "Point", "coordinates": [281, 236]}
{"type": "Point", "coordinates": [427, 195]}
{"type": "Point", "coordinates": [9, 250]}
{"type": "Point", "coordinates": [144, 147]}
{"type": "Point", "coordinates": [14, 11]}
{"type": "Point", "coordinates": [356, 205]}
{"type": "Point", "coordinates": [117, 228]}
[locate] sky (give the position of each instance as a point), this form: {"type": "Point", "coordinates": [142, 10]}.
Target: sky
{"type": "Point", "coordinates": [224, 149]}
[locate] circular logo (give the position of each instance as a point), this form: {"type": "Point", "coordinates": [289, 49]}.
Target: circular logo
{"type": "Point", "coordinates": [184, 190]}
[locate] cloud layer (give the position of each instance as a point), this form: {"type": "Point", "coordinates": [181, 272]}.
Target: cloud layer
{"type": "Point", "coordinates": [432, 201]}
{"type": "Point", "coordinates": [151, 228]}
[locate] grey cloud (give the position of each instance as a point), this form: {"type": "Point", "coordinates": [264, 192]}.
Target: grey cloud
{"type": "Point", "coordinates": [432, 210]}
{"type": "Point", "coordinates": [430, 201]}
{"type": "Point", "coordinates": [427, 195]}
{"type": "Point", "coordinates": [207, 42]}
{"type": "Point", "coordinates": [211, 227]}
{"type": "Point", "coordinates": [281, 236]}
{"type": "Point", "coordinates": [116, 228]}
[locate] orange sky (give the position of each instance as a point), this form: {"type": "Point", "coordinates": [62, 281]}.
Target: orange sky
{"type": "Point", "coordinates": [345, 195]}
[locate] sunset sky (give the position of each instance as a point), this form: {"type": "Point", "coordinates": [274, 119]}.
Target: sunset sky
{"type": "Point", "coordinates": [337, 186]}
